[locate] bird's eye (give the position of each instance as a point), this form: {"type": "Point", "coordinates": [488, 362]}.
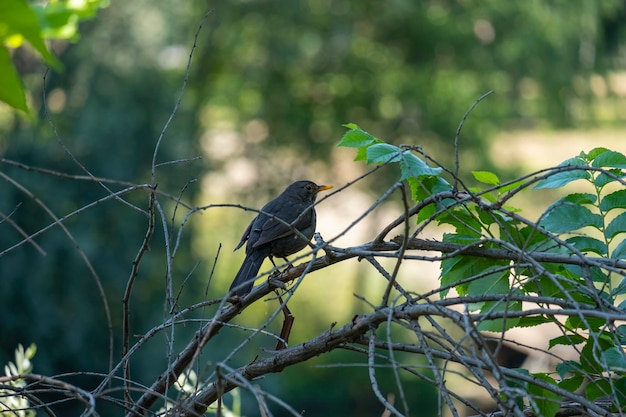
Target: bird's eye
{"type": "Point", "coordinates": [309, 187]}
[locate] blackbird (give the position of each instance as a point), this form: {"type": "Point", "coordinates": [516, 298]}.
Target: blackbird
{"type": "Point", "coordinates": [268, 236]}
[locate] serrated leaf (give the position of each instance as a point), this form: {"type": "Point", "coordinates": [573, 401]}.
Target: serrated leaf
{"type": "Point", "coordinates": [381, 153]}
{"type": "Point", "coordinates": [356, 137]}
{"type": "Point", "coordinates": [486, 177]}
{"type": "Point", "coordinates": [593, 154]}
{"type": "Point", "coordinates": [532, 321]}
{"type": "Point", "coordinates": [566, 340]}
{"type": "Point", "coordinates": [609, 159]}
{"type": "Point", "coordinates": [588, 244]}
{"type": "Point", "coordinates": [613, 200]}
{"type": "Point", "coordinates": [412, 166]}
{"type": "Point", "coordinates": [567, 217]}
{"type": "Point", "coordinates": [617, 226]}
{"type": "Point", "coordinates": [361, 154]}
{"type": "Point", "coordinates": [559, 179]}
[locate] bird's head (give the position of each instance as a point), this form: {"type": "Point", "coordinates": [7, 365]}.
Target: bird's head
{"type": "Point", "coordinates": [306, 190]}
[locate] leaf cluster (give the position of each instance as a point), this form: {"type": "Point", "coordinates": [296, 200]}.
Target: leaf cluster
{"type": "Point", "coordinates": [584, 227]}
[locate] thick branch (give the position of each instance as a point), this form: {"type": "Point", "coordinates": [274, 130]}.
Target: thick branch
{"type": "Point", "coordinates": [321, 344]}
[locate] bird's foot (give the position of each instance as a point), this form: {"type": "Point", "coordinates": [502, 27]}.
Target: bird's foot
{"type": "Point", "coordinates": [274, 282]}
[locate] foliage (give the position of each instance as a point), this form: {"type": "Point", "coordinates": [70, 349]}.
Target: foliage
{"type": "Point", "coordinates": [22, 22]}
{"type": "Point", "coordinates": [11, 402]}
{"type": "Point", "coordinates": [481, 219]}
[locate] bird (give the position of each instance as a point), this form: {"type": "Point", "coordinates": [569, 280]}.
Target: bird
{"type": "Point", "coordinates": [266, 236]}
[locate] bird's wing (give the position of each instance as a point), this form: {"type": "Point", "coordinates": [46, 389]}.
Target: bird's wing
{"type": "Point", "coordinates": [273, 229]}
{"type": "Point", "coordinates": [245, 235]}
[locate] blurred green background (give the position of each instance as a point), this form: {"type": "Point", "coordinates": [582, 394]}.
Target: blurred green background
{"type": "Point", "coordinates": [269, 87]}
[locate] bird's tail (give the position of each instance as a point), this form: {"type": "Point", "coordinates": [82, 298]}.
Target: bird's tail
{"type": "Point", "coordinates": [244, 280]}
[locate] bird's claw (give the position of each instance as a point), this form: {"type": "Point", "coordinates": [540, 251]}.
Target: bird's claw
{"type": "Point", "coordinates": [275, 283]}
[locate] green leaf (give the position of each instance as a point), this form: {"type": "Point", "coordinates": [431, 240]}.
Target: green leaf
{"type": "Point", "coordinates": [604, 179]}
{"type": "Point", "coordinates": [569, 367]}
{"type": "Point", "coordinates": [573, 383]}
{"type": "Point", "coordinates": [381, 153]}
{"type": "Point", "coordinates": [617, 226]}
{"type": "Point", "coordinates": [546, 402]}
{"type": "Point", "coordinates": [609, 159]}
{"type": "Point", "coordinates": [499, 324]}
{"type": "Point", "coordinates": [412, 166]}
{"type": "Point", "coordinates": [518, 385]}
{"type": "Point", "coordinates": [496, 282]}
{"type": "Point", "coordinates": [566, 340]}
{"type": "Point", "coordinates": [614, 359]}
{"type": "Point", "coordinates": [613, 200]}
{"type": "Point", "coordinates": [425, 187]}
{"type": "Point", "coordinates": [17, 18]}
{"type": "Point", "coordinates": [620, 251]}
{"type": "Point", "coordinates": [559, 179]}
{"type": "Point", "coordinates": [621, 290]}
{"type": "Point", "coordinates": [588, 244]}
{"type": "Point", "coordinates": [361, 154]}
{"type": "Point", "coordinates": [593, 154]}
{"type": "Point", "coordinates": [464, 221]}
{"type": "Point", "coordinates": [506, 188]}
{"type": "Point", "coordinates": [60, 19]}
{"type": "Point", "coordinates": [356, 137]}
{"type": "Point", "coordinates": [567, 217]}
{"type": "Point", "coordinates": [11, 91]}
{"type": "Point", "coordinates": [532, 321]}
{"type": "Point", "coordinates": [486, 177]}
{"type": "Point", "coordinates": [580, 198]}
{"type": "Point", "coordinates": [598, 389]}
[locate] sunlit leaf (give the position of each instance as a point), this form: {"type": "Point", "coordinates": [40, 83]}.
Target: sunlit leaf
{"type": "Point", "coordinates": [17, 17]}
{"type": "Point", "coordinates": [356, 137]}
{"type": "Point", "coordinates": [593, 154]}
{"type": "Point", "coordinates": [486, 177]}
{"type": "Point", "coordinates": [609, 159]}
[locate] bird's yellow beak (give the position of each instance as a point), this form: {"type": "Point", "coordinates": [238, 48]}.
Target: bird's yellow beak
{"type": "Point", "coordinates": [323, 187]}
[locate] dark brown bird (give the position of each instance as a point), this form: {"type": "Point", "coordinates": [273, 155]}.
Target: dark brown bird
{"type": "Point", "coordinates": [267, 236]}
